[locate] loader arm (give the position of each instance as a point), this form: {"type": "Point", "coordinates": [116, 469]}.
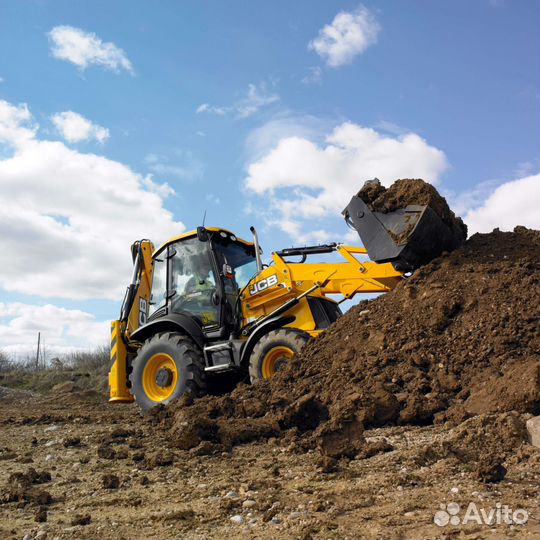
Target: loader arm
{"type": "Point", "coordinates": [133, 314]}
{"type": "Point", "coordinates": [286, 280]}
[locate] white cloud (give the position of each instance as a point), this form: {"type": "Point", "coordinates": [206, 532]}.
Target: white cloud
{"type": "Point", "coordinates": [207, 108]}
{"type": "Point", "coordinates": [390, 127]}
{"type": "Point", "coordinates": [76, 128]}
{"type": "Point", "coordinates": [306, 182]}
{"type": "Point", "coordinates": [314, 75]}
{"type": "Point", "coordinates": [525, 168]}
{"type": "Point", "coordinates": [85, 48]}
{"type": "Point", "coordinates": [68, 218]}
{"type": "Point", "coordinates": [257, 97]}
{"type": "Point", "coordinates": [513, 203]}
{"type": "Point", "coordinates": [261, 140]}
{"type": "Point", "coordinates": [189, 170]}
{"type": "Point", "coordinates": [62, 330]}
{"type": "Point", "coordinates": [349, 35]}
{"type": "Point", "coordinates": [16, 126]}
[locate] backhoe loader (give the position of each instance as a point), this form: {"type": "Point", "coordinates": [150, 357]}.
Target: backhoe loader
{"type": "Point", "coordinates": [203, 303]}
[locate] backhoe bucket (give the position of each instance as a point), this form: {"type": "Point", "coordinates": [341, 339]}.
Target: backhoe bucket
{"type": "Point", "coordinates": [408, 237]}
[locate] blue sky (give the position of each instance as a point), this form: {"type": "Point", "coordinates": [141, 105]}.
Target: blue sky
{"type": "Point", "coordinates": [130, 119]}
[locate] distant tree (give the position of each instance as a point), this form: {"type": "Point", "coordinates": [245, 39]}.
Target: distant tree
{"type": "Point", "coordinates": [5, 361]}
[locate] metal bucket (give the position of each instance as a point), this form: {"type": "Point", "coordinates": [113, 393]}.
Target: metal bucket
{"type": "Point", "coordinates": [408, 238]}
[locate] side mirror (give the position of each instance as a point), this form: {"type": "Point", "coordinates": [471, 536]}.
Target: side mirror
{"type": "Point", "coordinates": [228, 272]}
{"type": "Point", "coordinates": [202, 234]}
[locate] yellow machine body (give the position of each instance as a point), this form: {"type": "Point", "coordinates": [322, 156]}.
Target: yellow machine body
{"type": "Point", "coordinates": [284, 280]}
{"type": "Point", "coordinates": [273, 286]}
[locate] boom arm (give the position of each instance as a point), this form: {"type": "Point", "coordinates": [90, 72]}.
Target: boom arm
{"type": "Point", "coordinates": [132, 315]}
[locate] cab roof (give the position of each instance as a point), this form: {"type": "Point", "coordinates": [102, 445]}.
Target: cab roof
{"type": "Point", "coordinates": [193, 233]}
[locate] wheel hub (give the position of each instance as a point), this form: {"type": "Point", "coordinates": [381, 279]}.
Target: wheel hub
{"type": "Point", "coordinates": [164, 377]}
{"type": "Point", "coordinates": [275, 359]}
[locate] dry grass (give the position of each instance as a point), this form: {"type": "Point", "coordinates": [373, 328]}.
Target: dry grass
{"type": "Point", "coordinates": [88, 370]}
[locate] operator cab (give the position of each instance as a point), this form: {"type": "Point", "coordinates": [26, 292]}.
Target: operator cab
{"type": "Point", "coordinates": [200, 274]}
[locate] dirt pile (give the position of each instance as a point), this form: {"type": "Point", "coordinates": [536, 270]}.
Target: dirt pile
{"type": "Point", "coordinates": [410, 191]}
{"type": "Point", "coordinates": [422, 233]}
{"type": "Point", "coordinates": [457, 339]}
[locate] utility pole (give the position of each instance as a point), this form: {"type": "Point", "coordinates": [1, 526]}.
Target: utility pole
{"type": "Point", "coordinates": [37, 354]}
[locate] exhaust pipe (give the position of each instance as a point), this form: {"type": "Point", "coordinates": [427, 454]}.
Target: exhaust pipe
{"type": "Point", "coordinates": [257, 249]}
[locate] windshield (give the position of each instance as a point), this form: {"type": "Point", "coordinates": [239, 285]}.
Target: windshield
{"type": "Point", "coordinates": [193, 281]}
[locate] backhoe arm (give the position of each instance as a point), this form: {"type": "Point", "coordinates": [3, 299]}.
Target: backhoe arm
{"type": "Point", "coordinates": [133, 314]}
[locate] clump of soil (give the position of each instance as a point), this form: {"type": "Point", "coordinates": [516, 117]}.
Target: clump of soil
{"type": "Point", "coordinates": [457, 339]}
{"type": "Point", "coordinates": [21, 488]}
{"type": "Point", "coordinates": [482, 443]}
{"type": "Point", "coordinates": [105, 451]}
{"type": "Point", "coordinates": [81, 519]}
{"type": "Point", "coordinates": [110, 481]}
{"type": "Point", "coordinates": [159, 458]}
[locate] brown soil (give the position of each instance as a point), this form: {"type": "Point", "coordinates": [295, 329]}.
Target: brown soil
{"type": "Point", "coordinates": [411, 401]}
{"type": "Point", "coordinates": [391, 490]}
{"type": "Point", "coordinates": [406, 192]}
{"type": "Point", "coordinates": [457, 339]}
{"type": "Point", "coordinates": [409, 191]}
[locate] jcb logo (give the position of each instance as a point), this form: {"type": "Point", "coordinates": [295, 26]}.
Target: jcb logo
{"type": "Point", "coordinates": [263, 285]}
{"type": "Point", "coordinates": [142, 311]}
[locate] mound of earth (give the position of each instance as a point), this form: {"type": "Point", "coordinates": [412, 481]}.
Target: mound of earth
{"type": "Point", "coordinates": [421, 236]}
{"type": "Point", "coordinates": [69, 392]}
{"type": "Point", "coordinates": [459, 338]}
{"type": "Point", "coordinates": [411, 191]}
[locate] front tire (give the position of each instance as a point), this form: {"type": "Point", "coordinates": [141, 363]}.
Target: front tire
{"type": "Point", "coordinates": [167, 365]}
{"type": "Point", "coordinates": [274, 350]}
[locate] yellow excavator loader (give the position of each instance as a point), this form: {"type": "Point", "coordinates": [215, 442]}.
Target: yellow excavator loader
{"type": "Point", "coordinates": [204, 303]}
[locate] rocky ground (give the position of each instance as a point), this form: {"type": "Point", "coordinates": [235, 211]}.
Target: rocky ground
{"type": "Point", "coordinates": [93, 470]}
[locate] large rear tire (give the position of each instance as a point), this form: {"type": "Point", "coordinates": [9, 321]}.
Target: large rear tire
{"type": "Point", "coordinates": [167, 365]}
{"type": "Point", "coordinates": [274, 350]}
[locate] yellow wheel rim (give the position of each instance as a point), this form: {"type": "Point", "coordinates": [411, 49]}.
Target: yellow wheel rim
{"type": "Point", "coordinates": [160, 377]}
{"type": "Point", "coordinates": [274, 359]}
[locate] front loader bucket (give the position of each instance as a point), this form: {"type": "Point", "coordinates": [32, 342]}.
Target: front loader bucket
{"type": "Point", "coordinates": [408, 237]}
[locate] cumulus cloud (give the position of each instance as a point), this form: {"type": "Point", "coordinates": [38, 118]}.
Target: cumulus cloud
{"type": "Point", "coordinates": [256, 98]}
{"type": "Point", "coordinates": [306, 181]}
{"type": "Point", "coordinates": [62, 330]}
{"type": "Point", "coordinates": [76, 128]}
{"type": "Point", "coordinates": [349, 35]}
{"type": "Point", "coordinates": [68, 218]}
{"type": "Point", "coordinates": [85, 49]}
{"type": "Point", "coordinates": [510, 204]}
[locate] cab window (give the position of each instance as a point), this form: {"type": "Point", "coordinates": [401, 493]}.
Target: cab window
{"type": "Point", "coordinates": [192, 282]}
{"type": "Point", "coordinates": [159, 284]}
